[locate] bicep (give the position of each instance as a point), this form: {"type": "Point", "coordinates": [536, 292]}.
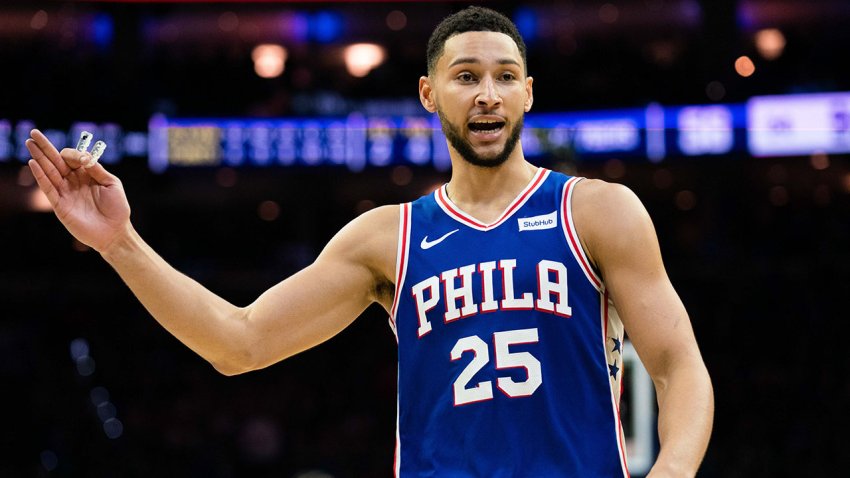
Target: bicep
{"type": "Point", "coordinates": [629, 259]}
{"type": "Point", "coordinates": [652, 312]}
{"type": "Point", "coordinates": [308, 308]}
{"type": "Point", "coordinates": [319, 301]}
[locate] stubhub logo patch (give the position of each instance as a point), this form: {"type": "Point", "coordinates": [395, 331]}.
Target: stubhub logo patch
{"type": "Point", "coordinates": [546, 221]}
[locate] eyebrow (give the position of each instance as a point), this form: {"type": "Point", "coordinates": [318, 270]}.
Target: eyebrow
{"type": "Point", "coordinates": [502, 61]}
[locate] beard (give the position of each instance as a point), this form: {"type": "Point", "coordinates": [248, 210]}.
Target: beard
{"type": "Point", "coordinates": [465, 150]}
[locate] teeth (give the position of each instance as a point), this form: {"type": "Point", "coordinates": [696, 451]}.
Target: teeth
{"type": "Point", "coordinates": [490, 129]}
{"type": "Point", "coordinates": [491, 126]}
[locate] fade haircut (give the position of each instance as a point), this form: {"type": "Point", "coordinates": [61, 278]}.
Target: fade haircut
{"type": "Point", "coordinates": [471, 19]}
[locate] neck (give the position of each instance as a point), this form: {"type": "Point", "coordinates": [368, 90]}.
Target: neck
{"type": "Point", "coordinates": [488, 190]}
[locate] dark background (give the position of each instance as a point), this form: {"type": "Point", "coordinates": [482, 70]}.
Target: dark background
{"type": "Point", "coordinates": [756, 247]}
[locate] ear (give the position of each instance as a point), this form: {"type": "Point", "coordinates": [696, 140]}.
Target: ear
{"type": "Point", "coordinates": [529, 91]}
{"type": "Point", "coordinates": [426, 94]}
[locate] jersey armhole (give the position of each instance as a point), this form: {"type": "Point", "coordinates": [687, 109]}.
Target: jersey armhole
{"type": "Point", "coordinates": [402, 254]}
{"type": "Point", "coordinates": [571, 234]}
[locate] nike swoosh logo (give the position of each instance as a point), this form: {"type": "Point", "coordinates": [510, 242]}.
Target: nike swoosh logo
{"type": "Point", "coordinates": [425, 244]}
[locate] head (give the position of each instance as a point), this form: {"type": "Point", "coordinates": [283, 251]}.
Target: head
{"type": "Point", "coordinates": [478, 85]}
{"type": "Point", "coordinates": [471, 19]}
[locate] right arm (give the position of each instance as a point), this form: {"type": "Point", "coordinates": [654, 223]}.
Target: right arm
{"type": "Point", "coordinates": [294, 315]}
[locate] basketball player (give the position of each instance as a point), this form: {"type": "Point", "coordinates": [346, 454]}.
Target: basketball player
{"type": "Point", "coordinates": [508, 289]}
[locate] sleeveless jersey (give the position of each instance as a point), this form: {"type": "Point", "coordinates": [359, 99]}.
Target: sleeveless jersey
{"type": "Point", "coordinates": [509, 350]}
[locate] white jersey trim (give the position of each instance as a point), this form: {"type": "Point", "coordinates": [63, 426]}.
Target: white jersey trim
{"type": "Point", "coordinates": [615, 394]}
{"type": "Point", "coordinates": [450, 208]}
{"type": "Point", "coordinates": [397, 454]}
{"type": "Point", "coordinates": [571, 234]}
{"type": "Point", "coordinates": [402, 256]}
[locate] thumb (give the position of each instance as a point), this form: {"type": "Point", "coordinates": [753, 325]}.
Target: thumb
{"type": "Point", "coordinates": [101, 175]}
{"type": "Point", "coordinates": [72, 157]}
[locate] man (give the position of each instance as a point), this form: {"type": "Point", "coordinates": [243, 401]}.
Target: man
{"type": "Point", "coordinates": [505, 278]}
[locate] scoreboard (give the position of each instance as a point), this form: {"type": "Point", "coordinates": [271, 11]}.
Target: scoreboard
{"type": "Point", "coordinates": [784, 125]}
{"type": "Point", "coordinates": [358, 141]}
{"type": "Point", "coordinates": [355, 141]}
{"type": "Point", "coordinates": [799, 124]}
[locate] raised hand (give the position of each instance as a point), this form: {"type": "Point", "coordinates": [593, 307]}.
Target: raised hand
{"type": "Point", "coordinates": [88, 200]}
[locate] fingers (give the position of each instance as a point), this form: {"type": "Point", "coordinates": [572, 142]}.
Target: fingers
{"type": "Point", "coordinates": [46, 166]}
{"type": "Point", "coordinates": [46, 150]}
{"type": "Point", "coordinates": [44, 182]}
{"type": "Point", "coordinates": [89, 162]}
{"type": "Point", "coordinates": [75, 159]}
{"type": "Point", "coordinates": [80, 157]}
{"type": "Point", "coordinates": [55, 167]}
{"type": "Point", "coordinates": [101, 175]}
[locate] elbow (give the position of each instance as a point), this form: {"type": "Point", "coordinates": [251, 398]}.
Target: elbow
{"type": "Point", "coordinates": [235, 362]}
{"type": "Point", "coordinates": [229, 369]}
{"type": "Point", "coordinates": [236, 356]}
{"type": "Point", "coordinates": [248, 350]}
{"type": "Point", "coordinates": [674, 369]}
{"type": "Point", "coordinates": [243, 362]}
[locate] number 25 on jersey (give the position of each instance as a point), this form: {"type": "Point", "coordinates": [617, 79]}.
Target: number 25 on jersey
{"type": "Point", "coordinates": [504, 359]}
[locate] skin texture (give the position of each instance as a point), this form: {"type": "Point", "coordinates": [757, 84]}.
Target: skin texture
{"type": "Point", "coordinates": [467, 152]}
{"type": "Point", "coordinates": [480, 75]}
{"type": "Point", "coordinates": [618, 236]}
{"type": "Point", "coordinates": [290, 317]}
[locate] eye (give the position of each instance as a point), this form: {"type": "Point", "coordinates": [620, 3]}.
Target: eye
{"type": "Point", "coordinates": [466, 77]}
{"type": "Point", "coordinates": [507, 76]}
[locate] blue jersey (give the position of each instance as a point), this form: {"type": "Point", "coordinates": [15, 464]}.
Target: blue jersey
{"type": "Point", "coordinates": [509, 349]}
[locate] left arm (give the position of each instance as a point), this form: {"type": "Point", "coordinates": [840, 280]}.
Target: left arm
{"type": "Point", "coordinates": [620, 239]}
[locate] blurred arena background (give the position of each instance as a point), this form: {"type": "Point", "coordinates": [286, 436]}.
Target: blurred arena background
{"type": "Point", "coordinates": [247, 133]}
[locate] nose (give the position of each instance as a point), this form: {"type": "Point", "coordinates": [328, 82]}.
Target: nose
{"type": "Point", "coordinates": [488, 96]}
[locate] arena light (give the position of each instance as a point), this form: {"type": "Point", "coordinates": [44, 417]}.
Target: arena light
{"type": "Point", "coordinates": [745, 66]}
{"type": "Point", "coordinates": [361, 58]}
{"type": "Point", "coordinates": [228, 21]}
{"type": "Point", "coordinates": [39, 20]}
{"type": "Point", "coordinates": [770, 43]}
{"type": "Point", "coordinates": [269, 60]}
{"type": "Point", "coordinates": [396, 20]}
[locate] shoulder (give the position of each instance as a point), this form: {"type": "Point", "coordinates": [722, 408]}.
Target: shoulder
{"type": "Point", "coordinates": [608, 217]}
{"type": "Point", "coordinates": [380, 220]}
{"type": "Point", "coordinates": [597, 196]}
{"type": "Point", "coordinates": [369, 240]}
{"type": "Point", "coordinates": [370, 229]}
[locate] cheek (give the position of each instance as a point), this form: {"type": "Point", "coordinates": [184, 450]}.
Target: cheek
{"type": "Point", "coordinates": [451, 110]}
{"type": "Point", "coordinates": [459, 94]}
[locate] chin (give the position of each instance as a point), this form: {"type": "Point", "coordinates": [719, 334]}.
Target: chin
{"type": "Point", "coordinates": [490, 155]}
{"type": "Point", "coordinates": [486, 155]}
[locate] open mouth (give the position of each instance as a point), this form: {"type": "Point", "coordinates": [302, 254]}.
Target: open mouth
{"type": "Point", "coordinates": [486, 126]}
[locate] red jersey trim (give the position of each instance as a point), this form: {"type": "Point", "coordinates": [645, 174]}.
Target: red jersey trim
{"type": "Point", "coordinates": [572, 236]}
{"type": "Point", "coordinates": [457, 214]}
{"type": "Point", "coordinates": [401, 260]}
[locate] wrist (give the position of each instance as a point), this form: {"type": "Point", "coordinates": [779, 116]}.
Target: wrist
{"type": "Point", "coordinates": [123, 242]}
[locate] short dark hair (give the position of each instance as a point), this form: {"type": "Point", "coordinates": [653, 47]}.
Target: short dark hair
{"type": "Point", "coordinates": [471, 19]}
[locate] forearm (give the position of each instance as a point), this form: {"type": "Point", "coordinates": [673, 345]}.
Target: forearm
{"type": "Point", "coordinates": [206, 323]}
{"type": "Point", "coordinates": [685, 416]}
